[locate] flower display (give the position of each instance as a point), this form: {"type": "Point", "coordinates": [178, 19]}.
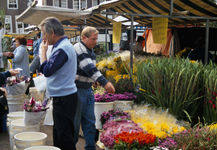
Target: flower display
{"type": "Point", "coordinates": [113, 114]}
{"type": "Point", "coordinates": [156, 122]}
{"type": "Point", "coordinates": [109, 97]}
{"type": "Point", "coordinates": [33, 106]}
{"type": "Point", "coordinates": [16, 79]}
{"type": "Point", "coordinates": [99, 90]}
{"type": "Point", "coordinates": [6, 44]}
{"type": "Point", "coordinates": [139, 140]}
{"type": "Point", "coordinates": [107, 136]}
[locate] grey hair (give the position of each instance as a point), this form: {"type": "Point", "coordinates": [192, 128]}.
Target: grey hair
{"type": "Point", "coordinates": [88, 30]}
{"type": "Point", "coordinates": [52, 23]}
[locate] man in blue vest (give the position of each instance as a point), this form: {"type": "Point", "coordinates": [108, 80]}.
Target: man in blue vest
{"type": "Point", "coordinates": [60, 71]}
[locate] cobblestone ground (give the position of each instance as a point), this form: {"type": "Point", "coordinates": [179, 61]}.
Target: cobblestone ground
{"type": "Point", "coordinates": [5, 144]}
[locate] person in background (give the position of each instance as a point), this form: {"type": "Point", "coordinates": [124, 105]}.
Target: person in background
{"type": "Point", "coordinates": [87, 74]}
{"type": "Point", "coordinates": [198, 54]}
{"type": "Point", "coordinates": [60, 71]}
{"type": "Point", "coordinates": [125, 45]}
{"type": "Point", "coordinates": [36, 44]}
{"type": "Point", "coordinates": [21, 57]}
{"type": "Point", "coordinates": [3, 77]}
{"type": "Point", "coordinates": [138, 47]}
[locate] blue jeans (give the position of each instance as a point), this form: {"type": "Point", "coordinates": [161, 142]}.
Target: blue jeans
{"type": "Point", "coordinates": [86, 117]}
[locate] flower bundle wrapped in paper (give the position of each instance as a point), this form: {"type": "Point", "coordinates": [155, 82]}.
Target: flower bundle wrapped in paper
{"type": "Point", "coordinates": [34, 111]}
{"type": "Point", "coordinates": [6, 44]}
{"type": "Point", "coordinates": [17, 85]}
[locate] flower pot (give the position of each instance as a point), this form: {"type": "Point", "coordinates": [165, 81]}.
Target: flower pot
{"type": "Point", "coordinates": [107, 148]}
{"type": "Point", "coordinates": [123, 104]}
{"type": "Point", "coordinates": [99, 108]}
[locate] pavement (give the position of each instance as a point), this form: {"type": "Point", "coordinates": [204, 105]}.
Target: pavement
{"type": "Point", "coordinates": [5, 144]}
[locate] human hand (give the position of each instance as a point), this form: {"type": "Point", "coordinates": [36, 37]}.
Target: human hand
{"type": "Point", "coordinates": [109, 88]}
{"type": "Point", "coordinates": [44, 46]}
{"type": "Point", "coordinates": [95, 84]}
{"type": "Point", "coordinates": [8, 54]}
{"type": "Point", "coordinates": [4, 91]}
{"type": "Point", "coordinates": [14, 72]}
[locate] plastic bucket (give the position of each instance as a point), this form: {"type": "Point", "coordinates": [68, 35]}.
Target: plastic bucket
{"type": "Point", "coordinates": [14, 116]}
{"type": "Point", "coordinates": [42, 148]}
{"type": "Point", "coordinates": [15, 102]}
{"type": "Point", "coordinates": [28, 139]}
{"type": "Point", "coordinates": [124, 105]}
{"type": "Point", "coordinates": [17, 126]}
{"type": "Point", "coordinates": [34, 93]}
{"type": "Point", "coordinates": [99, 108]}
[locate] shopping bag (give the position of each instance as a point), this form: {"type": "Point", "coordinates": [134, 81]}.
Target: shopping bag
{"type": "Point", "coordinates": [40, 83]}
{"type": "Point", "coordinates": [48, 120]}
{"type": "Point", "coordinates": [3, 107]}
{"type": "Point", "coordinates": [33, 118]}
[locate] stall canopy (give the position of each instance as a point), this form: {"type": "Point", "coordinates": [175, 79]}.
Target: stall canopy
{"type": "Point", "coordinates": [35, 14]}
{"type": "Point", "coordinates": [187, 9]}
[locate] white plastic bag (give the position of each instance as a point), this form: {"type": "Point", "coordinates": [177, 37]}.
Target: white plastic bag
{"type": "Point", "coordinates": [48, 120]}
{"type": "Point", "coordinates": [40, 83]}
{"type": "Point", "coordinates": [32, 118]}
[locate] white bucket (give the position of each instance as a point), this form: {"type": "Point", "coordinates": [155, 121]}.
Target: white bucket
{"type": "Point", "coordinates": [123, 104]}
{"type": "Point", "coordinates": [15, 102]}
{"type": "Point", "coordinates": [34, 93]}
{"type": "Point", "coordinates": [42, 148]}
{"type": "Point", "coordinates": [99, 108]}
{"type": "Point", "coordinates": [27, 139]}
{"type": "Point", "coordinates": [17, 126]}
{"type": "Point", "coordinates": [14, 116]}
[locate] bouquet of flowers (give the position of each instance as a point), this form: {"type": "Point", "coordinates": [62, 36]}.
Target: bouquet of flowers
{"type": "Point", "coordinates": [132, 140]}
{"type": "Point", "coordinates": [115, 127]}
{"type": "Point", "coordinates": [113, 114]}
{"type": "Point", "coordinates": [6, 44]}
{"type": "Point", "coordinates": [17, 85]}
{"type": "Point", "coordinates": [34, 111]}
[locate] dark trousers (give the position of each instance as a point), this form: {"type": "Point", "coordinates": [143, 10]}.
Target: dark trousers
{"type": "Point", "coordinates": [64, 109]}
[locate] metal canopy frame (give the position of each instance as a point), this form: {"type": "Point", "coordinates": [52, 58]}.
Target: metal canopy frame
{"type": "Point", "coordinates": [96, 11]}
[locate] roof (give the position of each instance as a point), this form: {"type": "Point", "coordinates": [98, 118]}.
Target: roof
{"type": "Point", "coordinates": [145, 9]}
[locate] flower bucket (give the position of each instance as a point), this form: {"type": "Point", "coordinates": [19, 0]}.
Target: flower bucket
{"type": "Point", "coordinates": [13, 116]}
{"type": "Point", "coordinates": [99, 108]}
{"type": "Point", "coordinates": [33, 118]}
{"type": "Point", "coordinates": [42, 148]}
{"type": "Point", "coordinates": [34, 93]}
{"type": "Point", "coordinates": [108, 148]}
{"type": "Point", "coordinates": [27, 139]}
{"type": "Point", "coordinates": [17, 126]}
{"type": "Point", "coordinates": [123, 104]}
{"type": "Point", "coordinates": [15, 102]}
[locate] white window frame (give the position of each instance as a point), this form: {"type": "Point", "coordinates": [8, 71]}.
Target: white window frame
{"type": "Point", "coordinates": [61, 3]}
{"type": "Point", "coordinates": [14, 3]}
{"type": "Point", "coordinates": [10, 21]}
{"type": "Point", "coordinates": [96, 0]}
{"type": "Point", "coordinates": [79, 4]}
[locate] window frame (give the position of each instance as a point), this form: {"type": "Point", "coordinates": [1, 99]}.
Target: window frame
{"type": "Point", "coordinates": [61, 3]}
{"type": "Point", "coordinates": [12, 3]}
{"type": "Point", "coordinates": [10, 21]}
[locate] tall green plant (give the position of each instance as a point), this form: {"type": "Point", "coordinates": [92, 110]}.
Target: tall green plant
{"type": "Point", "coordinates": [171, 84]}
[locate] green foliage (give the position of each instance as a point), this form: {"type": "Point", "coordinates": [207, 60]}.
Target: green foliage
{"type": "Point", "coordinates": [172, 84]}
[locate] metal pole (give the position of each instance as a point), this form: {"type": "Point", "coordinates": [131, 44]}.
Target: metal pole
{"type": "Point", "coordinates": [145, 41]}
{"type": "Point", "coordinates": [207, 41]}
{"type": "Point", "coordinates": [171, 7]}
{"type": "Point", "coordinates": [80, 31]}
{"type": "Point", "coordinates": [131, 47]}
{"type": "Point", "coordinates": [106, 50]}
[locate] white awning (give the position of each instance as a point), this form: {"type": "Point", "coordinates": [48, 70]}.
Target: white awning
{"type": "Point", "coordinates": [35, 14]}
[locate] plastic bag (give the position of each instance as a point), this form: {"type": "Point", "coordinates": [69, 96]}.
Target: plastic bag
{"type": "Point", "coordinates": [32, 118]}
{"type": "Point", "coordinates": [40, 83]}
{"type": "Point", "coordinates": [48, 120]}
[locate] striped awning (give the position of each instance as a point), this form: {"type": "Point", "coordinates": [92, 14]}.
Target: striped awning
{"type": "Point", "coordinates": [200, 8]}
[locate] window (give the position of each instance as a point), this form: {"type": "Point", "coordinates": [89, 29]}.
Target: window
{"type": "Point", "coordinates": [83, 4]}
{"type": "Point", "coordinates": [8, 24]}
{"type": "Point", "coordinates": [60, 3]}
{"type": "Point", "coordinates": [95, 2]}
{"type": "Point", "coordinates": [12, 4]}
{"type": "Point", "coordinates": [20, 26]}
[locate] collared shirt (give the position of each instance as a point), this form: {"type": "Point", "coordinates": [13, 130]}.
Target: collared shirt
{"type": "Point", "coordinates": [56, 61]}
